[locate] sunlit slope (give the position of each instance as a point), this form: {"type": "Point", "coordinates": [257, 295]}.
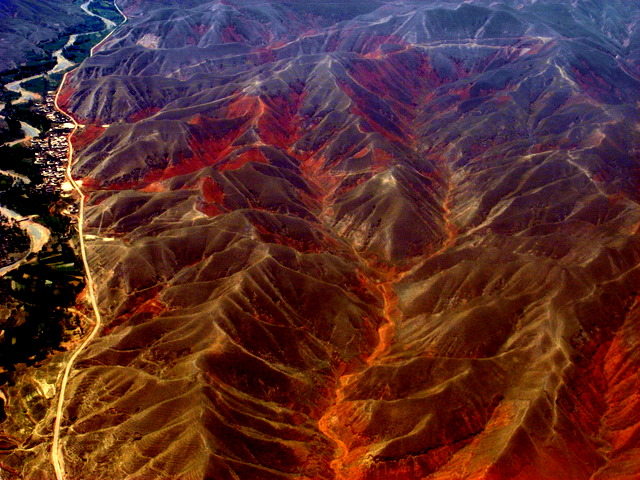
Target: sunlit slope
{"type": "Point", "coordinates": [394, 241]}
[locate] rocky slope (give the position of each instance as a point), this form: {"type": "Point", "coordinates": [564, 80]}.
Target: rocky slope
{"type": "Point", "coordinates": [362, 241]}
{"type": "Point", "coordinates": [29, 29]}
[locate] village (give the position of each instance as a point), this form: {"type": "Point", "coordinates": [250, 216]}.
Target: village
{"type": "Point", "coordinates": [40, 273]}
{"type": "Point", "coordinates": [52, 147]}
{"type": "Point", "coordinates": [49, 151]}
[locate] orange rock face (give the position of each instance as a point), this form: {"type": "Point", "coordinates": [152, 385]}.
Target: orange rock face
{"type": "Point", "coordinates": [373, 241]}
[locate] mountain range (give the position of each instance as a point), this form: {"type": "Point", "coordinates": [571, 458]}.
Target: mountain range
{"type": "Point", "coordinates": [354, 241]}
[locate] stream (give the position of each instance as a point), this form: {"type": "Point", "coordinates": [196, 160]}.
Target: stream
{"type": "Point", "coordinates": [108, 24]}
{"type": "Point", "coordinates": [38, 234]}
{"type": "Point", "coordinates": [25, 95]}
{"type": "Point", "coordinates": [61, 65]}
{"type": "Point", "coordinates": [28, 131]}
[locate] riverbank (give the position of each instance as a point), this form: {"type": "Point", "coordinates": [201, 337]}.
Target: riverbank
{"type": "Point", "coordinates": [38, 236]}
{"type": "Point", "coordinates": [38, 289]}
{"type": "Point", "coordinates": [32, 89]}
{"type": "Point", "coordinates": [51, 151]}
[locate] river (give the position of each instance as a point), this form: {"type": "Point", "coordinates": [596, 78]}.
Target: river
{"type": "Point", "coordinates": [62, 64]}
{"type": "Point", "coordinates": [107, 23]}
{"type": "Point", "coordinates": [28, 131]}
{"type": "Point", "coordinates": [17, 176]}
{"type": "Point", "coordinates": [25, 95]}
{"type": "Point", "coordinates": [38, 234]}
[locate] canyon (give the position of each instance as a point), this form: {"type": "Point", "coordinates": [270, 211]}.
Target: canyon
{"type": "Point", "coordinates": [351, 241]}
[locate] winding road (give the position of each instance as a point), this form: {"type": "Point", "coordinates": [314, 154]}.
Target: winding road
{"type": "Point", "coordinates": [57, 457]}
{"type": "Point", "coordinates": [61, 65]}
{"type": "Point", "coordinates": [38, 234]}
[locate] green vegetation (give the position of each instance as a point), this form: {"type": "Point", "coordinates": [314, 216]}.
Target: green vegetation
{"type": "Point", "coordinates": [13, 131]}
{"type": "Point", "coordinates": [20, 159]}
{"type": "Point", "coordinates": [20, 197]}
{"type": "Point", "coordinates": [105, 9]}
{"type": "Point", "coordinates": [91, 24]}
{"type": "Point", "coordinates": [44, 84]}
{"type": "Point", "coordinates": [33, 304]}
{"type": "Point", "coordinates": [42, 60]}
{"type": "Point", "coordinates": [13, 240]}
{"type": "Point", "coordinates": [81, 48]}
{"type": "Point", "coordinates": [35, 65]}
{"type": "Point", "coordinates": [7, 96]}
{"type": "Point", "coordinates": [5, 182]}
{"type": "Point", "coordinates": [26, 113]}
{"type": "Point", "coordinates": [53, 45]}
{"type": "Point", "coordinates": [35, 297]}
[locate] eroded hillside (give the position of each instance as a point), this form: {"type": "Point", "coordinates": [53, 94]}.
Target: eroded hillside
{"type": "Point", "coordinates": [355, 242]}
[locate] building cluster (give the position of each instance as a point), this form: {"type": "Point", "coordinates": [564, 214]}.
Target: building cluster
{"type": "Point", "coordinates": [52, 147]}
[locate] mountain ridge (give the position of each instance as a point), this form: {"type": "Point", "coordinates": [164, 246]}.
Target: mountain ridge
{"type": "Point", "coordinates": [354, 251]}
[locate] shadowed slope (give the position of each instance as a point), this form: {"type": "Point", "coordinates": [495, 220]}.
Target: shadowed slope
{"type": "Point", "coordinates": [390, 244]}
